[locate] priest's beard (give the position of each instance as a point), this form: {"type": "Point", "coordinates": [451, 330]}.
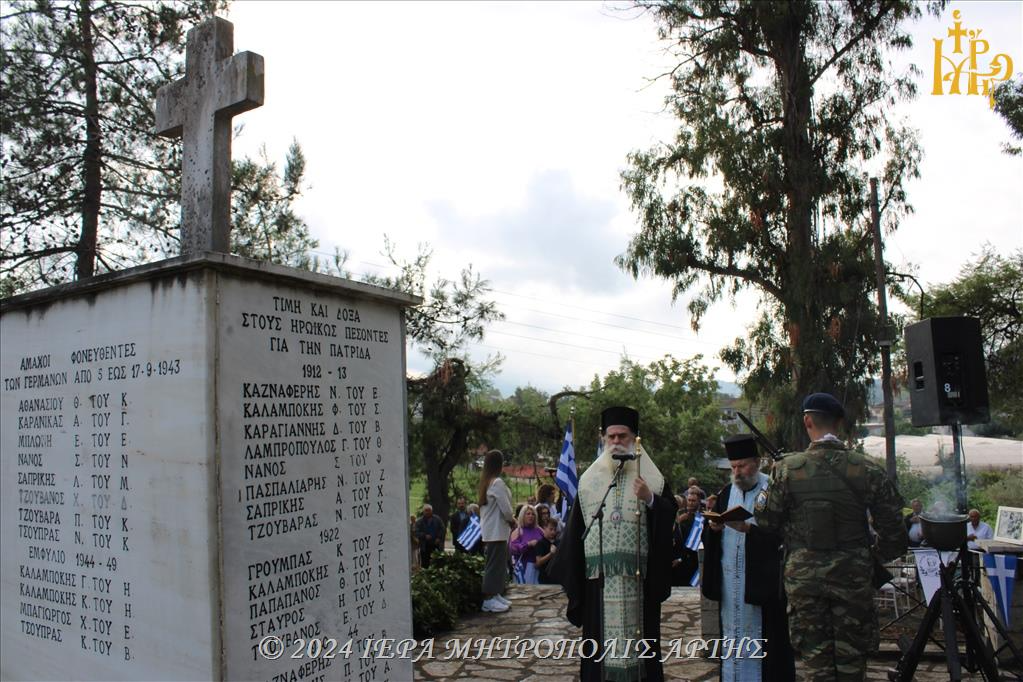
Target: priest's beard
{"type": "Point", "coordinates": [620, 449]}
{"type": "Point", "coordinates": [745, 482]}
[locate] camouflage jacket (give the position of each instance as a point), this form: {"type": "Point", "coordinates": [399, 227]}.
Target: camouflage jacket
{"type": "Point", "coordinates": [823, 517]}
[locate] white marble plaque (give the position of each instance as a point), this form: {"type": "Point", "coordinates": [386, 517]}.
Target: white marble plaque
{"type": "Point", "coordinates": [316, 542]}
{"type": "Point", "coordinates": [193, 459]}
{"type": "Point", "coordinates": [108, 510]}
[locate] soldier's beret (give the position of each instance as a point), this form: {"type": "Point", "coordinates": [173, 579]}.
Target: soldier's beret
{"type": "Point", "coordinates": [619, 416]}
{"type": "Point", "coordinates": [823, 403]}
{"type": "Point", "coordinates": [741, 446]}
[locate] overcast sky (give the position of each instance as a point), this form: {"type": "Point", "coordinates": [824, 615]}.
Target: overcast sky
{"type": "Point", "coordinates": [496, 132]}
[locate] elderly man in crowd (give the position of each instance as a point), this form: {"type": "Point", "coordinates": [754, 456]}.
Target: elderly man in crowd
{"type": "Point", "coordinates": [430, 534]}
{"type": "Point", "coordinates": [977, 530]}
{"type": "Point", "coordinates": [913, 527]}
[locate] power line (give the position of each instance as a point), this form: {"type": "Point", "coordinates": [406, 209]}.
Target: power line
{"type": "Point", "coordinates": [591, 310]}
{"type": "Point", "coordinates": [616, 326]}
{"type": "Point", "coordinates": [527, 352]}
{"type": "Point", "coordinates": [558, 343]}
{"type": "Point", "coordinates": [577, 334]}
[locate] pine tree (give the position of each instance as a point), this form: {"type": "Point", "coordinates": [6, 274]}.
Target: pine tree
{"type": "Point", "coordinates": [87, 185]}
{"type": "Point", "coordinates": [264, 225]}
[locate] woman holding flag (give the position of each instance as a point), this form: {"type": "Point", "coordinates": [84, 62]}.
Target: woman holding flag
{"type": "Point", "coordinates": [523, 542]}
{"type": "Point", "coordinates": [685, 564]}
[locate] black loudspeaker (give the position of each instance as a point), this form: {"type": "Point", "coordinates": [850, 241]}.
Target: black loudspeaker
{"type": "Point", "coordinates": [947, 381]}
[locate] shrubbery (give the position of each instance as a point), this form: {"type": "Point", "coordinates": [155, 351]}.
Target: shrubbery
{"type": "Point", "coordinates": [445, 590]}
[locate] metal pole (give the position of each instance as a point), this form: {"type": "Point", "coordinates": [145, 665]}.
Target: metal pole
{"type": "Point", "coordinates": [957, 467]}
{"type": "Point", "coordinates": [885, 343]}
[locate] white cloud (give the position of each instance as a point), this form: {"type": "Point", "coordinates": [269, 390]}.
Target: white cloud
{"type": "Point", "coordinates": [496, 132]}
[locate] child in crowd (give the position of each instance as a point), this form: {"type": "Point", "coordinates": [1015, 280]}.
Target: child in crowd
{"type": "Point", "coordinates": [545, 550]}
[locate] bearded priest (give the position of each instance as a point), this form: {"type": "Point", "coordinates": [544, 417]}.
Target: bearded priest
{"type": "Point", "coordinates": [637, 526]}
{"type": "Point", "coordinates": [741, 572]}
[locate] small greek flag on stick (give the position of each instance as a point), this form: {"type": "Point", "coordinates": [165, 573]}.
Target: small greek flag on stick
{"type": "Point", "coordinates": [695, 533]}
{"type": "Point", "coordinates": [1001, 571]}
{"type": "Point", "coordinates": [695, 580]}
{"type": "Point", "coordinates": [471, 535]}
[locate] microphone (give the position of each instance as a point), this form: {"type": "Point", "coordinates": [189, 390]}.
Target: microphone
{"type": "Point", "coordinates": [624, 456]}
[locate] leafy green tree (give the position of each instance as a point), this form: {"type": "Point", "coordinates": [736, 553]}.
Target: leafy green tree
{"type": "Point", "coordinates": [527, 428]}
{"type": "Point", "coordinates": [443, 424]}
{"type": "Point", "coordinates": [912, 484]}
{"type": "Point", "coordinates": [442, 419]}
{"type": "Point", "coordinates": [680, 419]}
{"type": "Point", "coordinates": [1009, 105]}
{"type": "Point", "coordinates": [990, 288]}
{"type": "Point", "coordinates": [453, 312]}
{"type": "Point", "coordinates": [781, 106]}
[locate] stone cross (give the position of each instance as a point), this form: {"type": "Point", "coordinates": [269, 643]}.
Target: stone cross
{"type": "Point", "coordinates": [198, 108]}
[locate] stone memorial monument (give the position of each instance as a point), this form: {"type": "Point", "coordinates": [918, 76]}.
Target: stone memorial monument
{"type": "Point", "coordinates": [200, 454]}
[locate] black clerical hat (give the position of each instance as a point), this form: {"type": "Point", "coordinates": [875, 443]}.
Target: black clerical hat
{"type": "Point", "coordinates": [619, 416]}
{"type": "Point", "coordinates": [823, 403]}
{"type": "Point", "coordinates": [741, 446]}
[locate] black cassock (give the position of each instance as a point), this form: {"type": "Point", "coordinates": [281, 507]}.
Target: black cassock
{"type": "Point", "coordinates": [763, 589]}
{"type": "Point", "coordinates": [569, 569]}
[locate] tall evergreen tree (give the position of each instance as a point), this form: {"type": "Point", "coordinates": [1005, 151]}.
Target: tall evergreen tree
{"type": "Point", "coordinates": [77, 86]}
{"type": "Point", "coordinates": [87, 186]}
{"type": "Point", "coordinates": [782, 107]}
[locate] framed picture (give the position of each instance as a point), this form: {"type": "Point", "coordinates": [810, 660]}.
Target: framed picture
{"type": "Point", "coordinates": [1009, 527]}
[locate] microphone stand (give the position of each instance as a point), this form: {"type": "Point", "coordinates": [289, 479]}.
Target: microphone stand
{"type": "Point", "coordinates": [598, 518]}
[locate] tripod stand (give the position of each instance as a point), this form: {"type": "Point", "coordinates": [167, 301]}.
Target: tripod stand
{"type": "Point", "coordinates": [956, 603]}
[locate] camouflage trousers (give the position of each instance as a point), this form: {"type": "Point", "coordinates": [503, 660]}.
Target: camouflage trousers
{"type": "Point", "coordinates": [832, 620]}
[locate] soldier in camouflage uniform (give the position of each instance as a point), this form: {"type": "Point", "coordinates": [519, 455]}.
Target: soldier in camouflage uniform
{"type": "Point", "coordinates": [818, 501]}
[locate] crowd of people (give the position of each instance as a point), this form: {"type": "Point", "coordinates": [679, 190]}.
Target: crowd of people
{"type": "Point", "coordinates": [787, 556]}
{"type": "Point", "coordinates": [519, 542]}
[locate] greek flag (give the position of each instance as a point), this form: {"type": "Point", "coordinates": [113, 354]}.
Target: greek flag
{"type": "Point", "coordinates": [695, 580]}
{"type": "Point", "coordinates": [695, 533]}
{"type": "Point", "coordinates": [1001, 571]}
{"type": "Point", "coordinates": [471, 535]}
{"type": "Point", "coordinates": [567, 478]}
{"type": "Point", "coordinates": [519, 571]}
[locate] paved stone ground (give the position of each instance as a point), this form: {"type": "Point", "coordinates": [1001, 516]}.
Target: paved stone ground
{"type": "Point", "coordinates": [537, 612]}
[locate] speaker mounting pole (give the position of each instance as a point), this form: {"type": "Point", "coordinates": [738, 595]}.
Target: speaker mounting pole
{"type": "Point", "coordinates": [957, 466]}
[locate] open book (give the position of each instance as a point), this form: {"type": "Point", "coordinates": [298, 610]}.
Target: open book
{"type": "Point", "coordinates": [736, 513]}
